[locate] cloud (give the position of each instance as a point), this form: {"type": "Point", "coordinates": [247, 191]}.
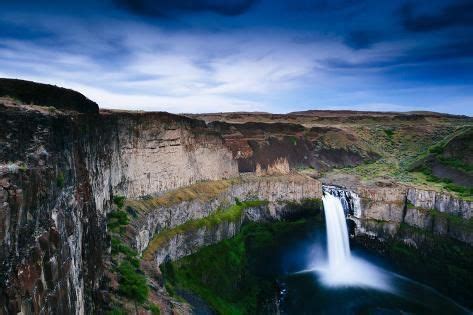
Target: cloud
{"type": "Point", "coordinates": [165, 8]}
{"type": "Point", "coordinates": [456, 14]}
{"type": "Point", "coordinates": [158, 69]}
{"type": "Point", "coordinates": [251, 61]}
{"type": "Point", "coordinates": [427, 56]}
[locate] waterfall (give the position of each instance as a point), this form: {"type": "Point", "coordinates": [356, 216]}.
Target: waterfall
{"type": "Point", "coordinates": [338, 244]}
{"type": "Point", "coordinates": [341, 268]}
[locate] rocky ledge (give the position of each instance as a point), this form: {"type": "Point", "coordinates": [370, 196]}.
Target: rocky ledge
{"type": "Point", "coordinates": [384, 205]}
{"type": "Point", "coordinates": [151, 216]}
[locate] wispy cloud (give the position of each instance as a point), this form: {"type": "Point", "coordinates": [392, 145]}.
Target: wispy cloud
{"type": "Point", "coordinates": [242, 56]}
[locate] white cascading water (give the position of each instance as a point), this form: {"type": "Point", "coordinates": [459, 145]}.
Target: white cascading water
{"type": "Point", "coordinates": [338, 244]}
{"type": "Point", "coordinates": [341, 268]}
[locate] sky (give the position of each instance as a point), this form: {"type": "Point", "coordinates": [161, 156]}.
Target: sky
{"type": "Point", "coordinates": [186, 56]}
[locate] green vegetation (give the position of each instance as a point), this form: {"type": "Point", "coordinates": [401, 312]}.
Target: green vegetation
{"type": "Point", "coordinates": [454, 222]}
{"type": "Point", "coordinates": [439, 261]}
{"type": "Point", "coordinates": [60, 180]}
{"type": "Point", "coordinates": [119, 201]}
{"type": "Point", "coordinates": [461, 190]}
{"type": "Point", "coordinates": [447, 152]}
{"type": "Point", "coordinates": [154, 309]}
{"type": "Point", "coordinates": [445, 182]}
{"type": "Point", "coordinates": [23, 168]}
{"type": "Point", "coordinates": [131, 279]}
{"type": "Point", "coordinates": [233, 276]}
{"type": "Point", "coordinates": [132, 283]}
{"type": "Point", "coordinates": [455, 163]}
{"type": "Point", "coordinates": [129, 254]}
{"type": "Point", "coordinates": [404, 149]}
{"type": "Point", "coordinates": [389, 133]}
{"type": "Point", "coordinates": [117, 221]}
{"type": "Point", "coordinates": [231, 213]}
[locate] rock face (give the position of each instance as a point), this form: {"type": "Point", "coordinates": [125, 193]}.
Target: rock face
{"type": "Point", "coordinates": [147, 154]}
{"type": "Point", "coordinates": [441, 202]}
{"type": "Point", "coordinates": [262, 146]}
{"type": "Point", "coordinates": [51, 234]}
{"type": "Point", "coordinates": [58, 173]}
{"type": "Point", "coordinates": [382, 203]}
{"type": "Point", "coordinates": [278, 190]}
{"type": "Point", "coordinates": [441, 214]}
{"type": "Point", "coordinates": [384, 206]}
{"type": "Point", "coordinates": [190, 241]}
{"type": "Point", "coordinates": [187, 243]}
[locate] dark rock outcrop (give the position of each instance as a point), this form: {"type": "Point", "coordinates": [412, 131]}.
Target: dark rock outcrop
{"type": "Point", "coordinates": [41, 94]}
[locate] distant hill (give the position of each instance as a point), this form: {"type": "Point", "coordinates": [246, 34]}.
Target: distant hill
{"type": "Point", "coordinates": [41, 94]}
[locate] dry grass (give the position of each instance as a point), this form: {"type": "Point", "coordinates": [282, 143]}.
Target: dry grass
{"type": "Point", "coordinates": [203, 191]}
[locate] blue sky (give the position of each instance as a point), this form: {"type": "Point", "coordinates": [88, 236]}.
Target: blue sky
{"type": "Point", "coordinates": [246, 55]}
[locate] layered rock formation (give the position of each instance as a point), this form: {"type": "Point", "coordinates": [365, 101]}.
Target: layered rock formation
{"type": "Point", "coordinates": [260, 146]}
{"type": "Point", "coordinates": [58, 173]}
{"type": "Point", "coordinates": [168, 211]}
{"type": "Point", "coordinates": [384, 206]}
{"type": "Point", "coordinates": [445, 203]}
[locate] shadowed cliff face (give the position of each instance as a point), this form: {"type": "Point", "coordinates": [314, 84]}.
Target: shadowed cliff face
{"type": "Point", "coordinates": [58, 173]}
{"type": "Point", "coordinates": [51, 234]}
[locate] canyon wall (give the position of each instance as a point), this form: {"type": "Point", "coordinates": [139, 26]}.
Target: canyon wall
{"type": "Point", "coordinates": [168, 211]}
{"type": "Point", "coordinates": [58, 174]}
{"type": "Point", "coordinates": [146, 154]}
{"type": "Point", "coordinates": [384, 206]}
{"type": "Point", "coordinates": [60, 169]}
{"type": "Point", "coordinates": [446, 203]}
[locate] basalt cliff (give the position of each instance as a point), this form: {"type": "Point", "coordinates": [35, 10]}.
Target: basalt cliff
{"type": "Point", "coordinates": [86, 192]}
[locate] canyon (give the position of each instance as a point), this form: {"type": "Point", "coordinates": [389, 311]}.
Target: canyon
{"type": "Point", "coordinates": [187, 181]}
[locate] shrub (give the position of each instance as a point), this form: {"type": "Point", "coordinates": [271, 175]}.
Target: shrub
{"type": "Point", "coordinates": [117, 220]}
{"type": "Point", "coordinates": [132, 284]}
{"type": "Point", "coordinates": [119, 201]}
{"type": "Point", "coordinates": [119, 247]}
